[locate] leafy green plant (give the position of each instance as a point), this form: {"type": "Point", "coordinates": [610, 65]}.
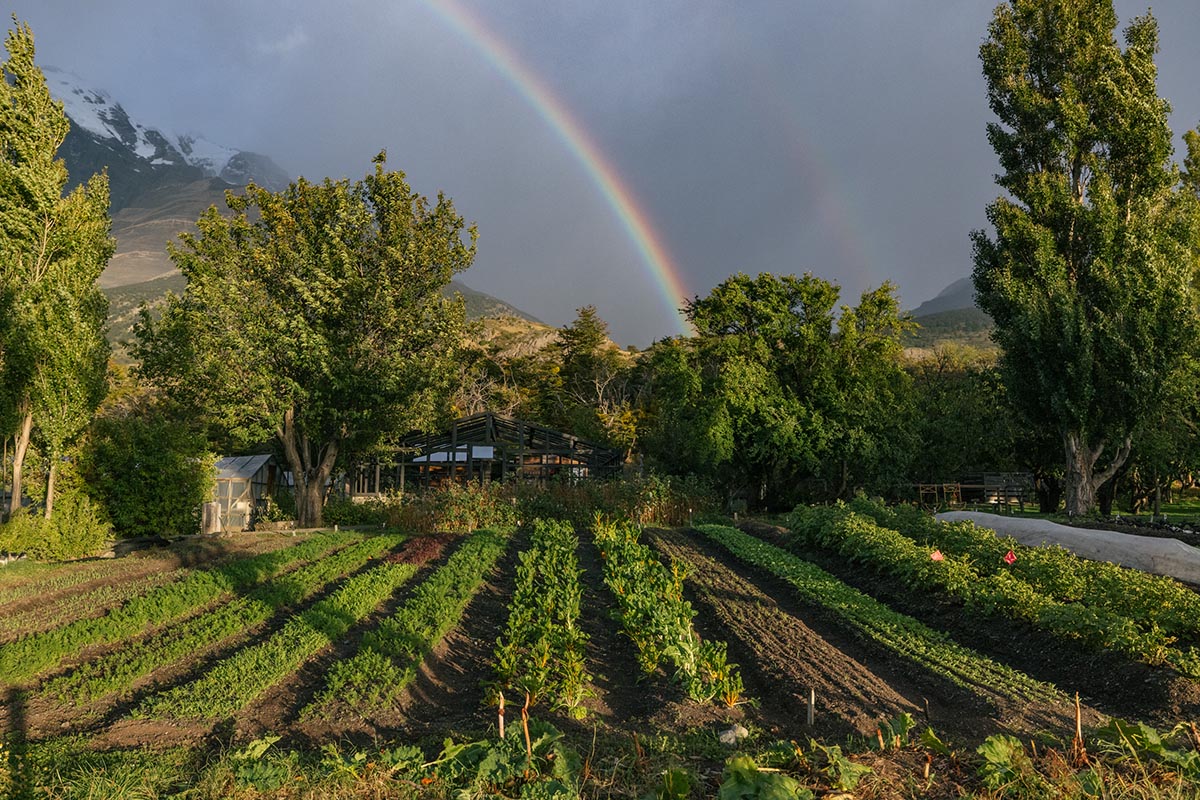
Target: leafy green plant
{"type": "Point", "coordinates": [674, 784]}
{"type": "Point", "coordinates": [1007, 768]}
{"type": "Point", "coordinates": [253, 768]}
{"type": "Point", "coordinates": [31, 655]}
{"type": "Point", "coordinates": [1142, 745]}
{"type": "Point", "coordinates": [991, 589]}
{"type": "Point", "coordinates": [843, 774]}
{"type": "Point", "coordinates": [119, 669]}
{"type": "Point", "coordinates": [875, 621]}
{"type": "Point", "coordinates": [92, 603]}
{"type": "Point", "coordinates": [235, 681]}
{"type": "Point", "coordinates": [1151, 600]}
{"type": "Point", "coordinates": [655, 615]}
{"type": "Point", "coordinates": [743, 780]}
{"type": "Point", "coordinates": [388, 656]}
{"type": "Point", "coordinates": [541, 652]}
{"type": "Point", "coordinates": [544, 767]}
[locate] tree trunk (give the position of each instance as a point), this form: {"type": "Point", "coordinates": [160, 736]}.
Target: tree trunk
{"type": "Point", "coordinates": [50, 487]}
{"type": "Point", "coordinates": [310, 470]}
{"type": "Point", "coordinates": [1106, 495]}
{"type": "Point", "coordinates": [1049, 493]}
{"type": "Point", "coordinates": [19, 450]}
{"type": "Point", "coordinates": [1082, 481]}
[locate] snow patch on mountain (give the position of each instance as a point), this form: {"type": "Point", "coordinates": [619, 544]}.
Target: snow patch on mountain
{"type": "Point", "coordinates": [95, 111]}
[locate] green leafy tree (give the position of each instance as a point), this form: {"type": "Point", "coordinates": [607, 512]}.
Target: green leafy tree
{"type": "Point", "coordinates": [52, 251]}
{"type": "Point", "coordinates": [781, 391]}
{"type": "Point", "coordinates": [314, 316]}
{"type": "Point", "coordinates": [1089, 276]}
{"type": "Point", "coordinates": [592, 392]}
{"type": "Point", "coordinates": [149, 469]}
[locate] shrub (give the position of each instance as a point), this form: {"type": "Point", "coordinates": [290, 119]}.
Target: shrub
{"type": "Point", "coordinates": [150, 472]}
{"type": "Point", "coordinates": [77, 530]}
{"type": "Point", "coordinates": [344, 511]}
{"type": "Point", "coordinates": [466, 507]}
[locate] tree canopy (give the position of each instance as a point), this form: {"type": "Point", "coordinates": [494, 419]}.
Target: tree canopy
{"type": "Point", "coordinates": [781, 393]}
{"type": "Point", "coordinates": [52, 250]}
{"type": "Point", "coordinates": [1089, 274]}
{"type": "Point", "coordinates": [314, 316]}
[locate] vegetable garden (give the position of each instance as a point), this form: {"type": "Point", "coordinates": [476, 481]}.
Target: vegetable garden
{"type": "Point", "coordinates": [860, 649]}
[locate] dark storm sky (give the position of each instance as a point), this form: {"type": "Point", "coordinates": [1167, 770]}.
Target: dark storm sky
{"type": "Point", "coordinates": [842, 138]}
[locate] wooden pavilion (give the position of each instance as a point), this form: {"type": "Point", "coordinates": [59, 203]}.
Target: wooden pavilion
{"type": "Point", "coordinates": [485, 447]}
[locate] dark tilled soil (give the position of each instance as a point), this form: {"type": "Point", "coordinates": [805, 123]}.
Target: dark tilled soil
{"type": "Point", "coordinates": [786, 649]}
{"type": "Point", "coordinates": [782, 658]}
{"type": "Point", "coordinates": [1108, 682]}
{"type": "Point", "coordinates": [278, 709]}
{"type": "Point", "coordinates": [625, 699]}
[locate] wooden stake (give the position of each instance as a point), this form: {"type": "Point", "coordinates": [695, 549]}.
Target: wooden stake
{"type": "Point", "coordinates": [528, 742]}
{"type": "Point", "coordinates": [502, 715]}
{"type": "Point", "coordinates": [1079, 755]}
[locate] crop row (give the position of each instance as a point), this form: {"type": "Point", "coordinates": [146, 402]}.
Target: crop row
{"type": "Point", "coordinates": [91, 603]}
{"type": "Point", "coordinates": [26, 657]}
{"type": "Point", "coordinates": [879, 623]}
{"type": "Point", "coordinates": [658, 619]}
{"type": "Point", "coordinates": [862, 540]}
{"type": "Point", "coordinates": [118, 670]}
{"type": "Point", "coordinates": [1151, 600]}
{"type": "Point", "coordinates": [541, 652]}
{"type": "Point", "coordinates": [388, 657]}
{"type": "Point", "coordinates": [235, 681]}
{"type": "Point", "coordinates": [30, 578]}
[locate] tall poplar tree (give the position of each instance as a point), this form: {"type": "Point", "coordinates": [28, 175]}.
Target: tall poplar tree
{"type": "Point", "coordinates": [52, 250]}
{"type": "Point", "coordinates": [1089, 276]}
{"type": "Point", "coordinates": [314, 316]}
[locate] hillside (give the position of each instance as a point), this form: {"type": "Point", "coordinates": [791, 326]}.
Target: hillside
{"type": "Point", "coordinates": [506, 328]}
{"type": "Point", "coordinates": [951, 317]}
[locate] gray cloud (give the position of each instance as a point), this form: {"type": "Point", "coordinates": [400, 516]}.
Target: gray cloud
{"type": "Point", "coordinates": [842, 138]}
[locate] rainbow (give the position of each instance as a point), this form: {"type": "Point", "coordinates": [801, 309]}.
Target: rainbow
{"type": "Point", "coordinates": [599, 169]}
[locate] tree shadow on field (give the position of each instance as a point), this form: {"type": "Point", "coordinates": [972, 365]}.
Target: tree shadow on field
{"type": "Point", "coordinates": [19, 768]}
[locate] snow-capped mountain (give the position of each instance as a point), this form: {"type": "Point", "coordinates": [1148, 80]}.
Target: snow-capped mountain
{"type": "Point", "coordinates": [141, 157]}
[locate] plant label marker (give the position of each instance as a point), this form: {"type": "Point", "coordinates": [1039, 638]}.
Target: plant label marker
{"type": "Point", "coordinates": [812, 703]}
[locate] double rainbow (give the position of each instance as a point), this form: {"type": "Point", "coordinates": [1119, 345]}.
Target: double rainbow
{"type": "Point", "coordinates": [600, 170]}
